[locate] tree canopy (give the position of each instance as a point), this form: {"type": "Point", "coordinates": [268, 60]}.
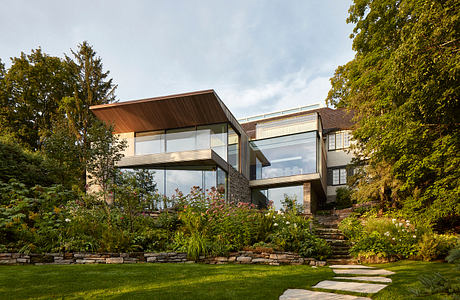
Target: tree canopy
{"type": "Point", "coordinates": [44, 106]}
{"type": "Point", "coordinates": [402, 86]}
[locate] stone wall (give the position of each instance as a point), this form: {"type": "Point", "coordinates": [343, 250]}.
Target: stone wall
{"type": "Point", "coordinates": [241, 257]}
{"type": "Point", "coordinates": [238, 186]}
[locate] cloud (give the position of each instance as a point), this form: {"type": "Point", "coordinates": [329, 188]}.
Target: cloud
{"type": "Point", "coordinates": [293, 90]}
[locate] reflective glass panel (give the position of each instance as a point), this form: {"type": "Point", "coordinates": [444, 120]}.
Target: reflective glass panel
{"type": "Point", "coordinates": [233, 148]}
{"type": "Point", "coordinates": [149, 142]}
{"type": "Point", "coordinates": [284, 156]}
{"type": "Point", "coordinates": [182, 181]}
{"type": "Point", "coordinates": [180, 140]}
{"type": "Point", "coordinates": [276, 196]}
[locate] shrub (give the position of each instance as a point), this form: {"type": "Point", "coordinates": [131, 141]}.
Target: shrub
{"type": "Point", "coordinates": [433, 246]}
{"type": "Point", "coordinates": [343, 198]}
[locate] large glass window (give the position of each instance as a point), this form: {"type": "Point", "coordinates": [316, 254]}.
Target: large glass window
{"type": "Point", "coordinates": [182, 181]}
{"type": "Point", "coordinates": [276, 196]}
{"type": "Point", "coordinates": [149, 142]}
{"type": "Point", "coordinates": [170, 180]}
{"type": "Point", "coordinates": [214, 137]}
{"type": "Point", "coordinates": [283, 156]}
{"type": "Point", "coordinates": [180, 139]}
{"type": "Point", "coordinates": [233, 148]}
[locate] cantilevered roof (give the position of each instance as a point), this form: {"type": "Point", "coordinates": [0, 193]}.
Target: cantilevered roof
{"type": "Point", "coordinates": [173, 111]}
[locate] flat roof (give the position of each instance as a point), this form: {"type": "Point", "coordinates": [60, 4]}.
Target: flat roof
{"type": "Point", "coordinates": [172, 111]}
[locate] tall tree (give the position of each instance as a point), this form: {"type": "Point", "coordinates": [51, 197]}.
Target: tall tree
{"type": "Point", "coordinates": [31, 90]}
{"type": "Point", "coordinates": [92, 87]}
{"type": "Point", "coordinates": [403, 88]}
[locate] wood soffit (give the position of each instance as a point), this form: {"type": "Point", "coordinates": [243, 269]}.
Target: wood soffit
{"type": "Point", "coordinates": [174, 111]}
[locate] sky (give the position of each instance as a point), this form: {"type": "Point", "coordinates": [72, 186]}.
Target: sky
{"type": "Point", "coordinates": [259, 56]}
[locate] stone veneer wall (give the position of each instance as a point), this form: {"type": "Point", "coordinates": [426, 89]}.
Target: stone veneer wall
{"type": "Point", "coordinates": [239, 190]}
{"type": "Point", "coordinates": [241, 257]}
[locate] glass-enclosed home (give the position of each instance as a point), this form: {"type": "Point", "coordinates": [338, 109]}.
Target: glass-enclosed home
{"type": "Point", "coordinates": [184, 141]}
{"type": "Point", "coordinates": [192, 140]}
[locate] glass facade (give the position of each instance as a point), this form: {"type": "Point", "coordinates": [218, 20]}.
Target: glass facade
{"type": "Point", "coordinates": [275, 196]}
{"type": "Point", "coordinates": [213, 137]}
{"type": "Point", "coordinates": [283, 156]}
{"type": "Point", "coordinates": [170, 180]}
{"type": "Point", "coordinates": [233, 148]}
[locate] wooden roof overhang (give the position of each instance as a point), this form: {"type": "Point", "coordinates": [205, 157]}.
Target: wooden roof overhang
{"type": "Point", "coordinates": [167, 112]}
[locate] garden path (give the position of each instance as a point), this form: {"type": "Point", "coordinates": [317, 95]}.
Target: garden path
{"type": "Point", "coordinates": [369, 284]}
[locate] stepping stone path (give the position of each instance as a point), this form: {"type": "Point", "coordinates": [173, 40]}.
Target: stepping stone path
{"type": "Point", "coordinates": [348, 284]}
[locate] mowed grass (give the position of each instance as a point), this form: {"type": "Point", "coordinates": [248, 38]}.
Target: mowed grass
{"type": "Point", "coordinates": [406, 278]}
{"type": "Point", "coordinates": [193, 281]}
{"type": "Point", "coordinates": [156, 281]}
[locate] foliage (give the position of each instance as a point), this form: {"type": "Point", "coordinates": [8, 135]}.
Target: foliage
{"type": "Point", "coordinates": [28, 167]}
{"type": "Point", "coordinates": [32, 89]}
{"type": "Point", "coordinates": [385, 237]}
{"type": "Point", "coordinates": [106, 149]}
{"type": "Point", "coordinates": [32, 219]}
{"type": "Point", "coordinates": [402, 87]}
{"type": "Point", "coordinates": [44, 107]}
{"type": "Point", "coordinates": [343, 198]}
{"type": "Point", "coordinates": [433, 246]}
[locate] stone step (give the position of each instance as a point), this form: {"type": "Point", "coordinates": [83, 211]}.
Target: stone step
{"type": "Point", "coordinates": [365, 278]}
{"type": "Point", "coordinates": [341, 261]}
{"type": "Point", "coordinates": [298, 294]}
{"type": "Point", "coordinates": [357, 287]}
{"type": "Point", "coordinates": [362, 272]}
{"type": "Point", "coordinates": [340, 256]}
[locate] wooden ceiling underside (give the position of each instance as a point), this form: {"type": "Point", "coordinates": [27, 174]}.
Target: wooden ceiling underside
{"type": "Point", "coordinates": [175, 111]}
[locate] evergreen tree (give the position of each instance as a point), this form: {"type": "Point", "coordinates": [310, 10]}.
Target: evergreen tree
{"type": "Point", "coordinates": [91, 87]}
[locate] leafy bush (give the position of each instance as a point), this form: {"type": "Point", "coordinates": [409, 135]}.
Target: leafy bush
{"type": "Point", "coordinates": [433, 246]}
{"type": "Point", "coordinates": [385, 237]}
{"type": "Point", "coordinates": [343, 198]}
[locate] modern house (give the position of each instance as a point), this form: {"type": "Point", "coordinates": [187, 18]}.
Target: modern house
{"type": "Point", "coordinates": [192, 139]}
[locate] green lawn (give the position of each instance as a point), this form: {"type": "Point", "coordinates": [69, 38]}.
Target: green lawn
{"type": "Point", "coordinates": [188, 281]}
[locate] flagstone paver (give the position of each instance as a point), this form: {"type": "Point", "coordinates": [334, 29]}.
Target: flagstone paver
{"type": "Point", "coordinates": [352, 284]}
{"type": "Point", "coordinates": [363, 271]}
{"type": "Point", "coordinates": [359, 287]}
{"type": "Point", "coordinates": [350, 267]}
{"type": "Point", "coordinates": [366, 278]}
{"type": "Point", "coordinates": [298, 294]}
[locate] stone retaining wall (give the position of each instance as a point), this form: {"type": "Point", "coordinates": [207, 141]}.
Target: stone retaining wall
{"type": "Point", "coordinates": [241, 257]}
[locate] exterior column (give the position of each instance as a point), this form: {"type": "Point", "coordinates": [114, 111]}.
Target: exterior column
{"type": "Point", "coordinates": [307, 198]}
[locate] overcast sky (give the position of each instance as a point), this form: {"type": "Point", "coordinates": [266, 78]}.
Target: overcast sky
{"type": "Point", "coordinates": [259, 56]}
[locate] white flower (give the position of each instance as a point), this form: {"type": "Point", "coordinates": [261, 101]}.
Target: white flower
{"type": "Point", "coordinates": [295, 225]}
{"type": "Point", "coordinates": [407, 222]}
{"type": "Point", "coordinates": [274, 217]}
{"type": "Point", "coordinates": [67, 220]}
{"type": "Point", "coordinates": [287, 223]}
{"type": "Point", "coordinates": [267, 214]}
{"type": "Point", "coordinates": [403, 229]}
{"type": "Point", "coordinates": [275, 224]}
{"type": "Point", "coordinates": [387, 233]}
{"type": "Point", "coordinates": [393, 220]}
{"type": "Point", "coordinates": [414, 236]}
{"type": "Point", "coordinates": [393, 239]}
{"type": "Point", "coordinates": [400, 224]}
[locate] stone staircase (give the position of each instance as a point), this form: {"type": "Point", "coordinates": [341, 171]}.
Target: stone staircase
{"type": "Point", "coordinates": [327, 230]}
